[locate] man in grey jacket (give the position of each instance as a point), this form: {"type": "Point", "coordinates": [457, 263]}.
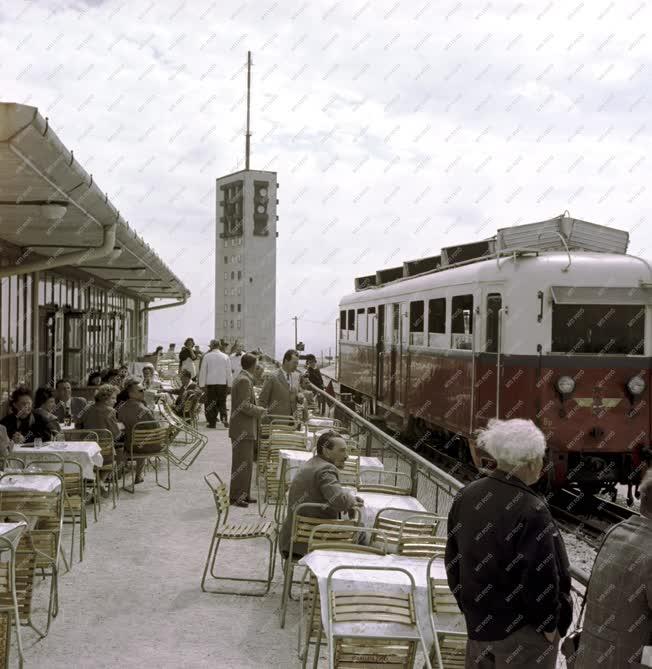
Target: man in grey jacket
{"type": "Point", "coordinates": [243, 430]}
{"type": "Point", "coordinates": [318, 482]}
{"type": "Point", "coordinates": [280, 391]}
{"type": "Point", "coordinates": [618, 620]}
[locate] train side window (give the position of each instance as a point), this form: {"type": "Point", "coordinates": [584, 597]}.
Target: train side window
{"type": "Point", "coordinates": [361, 326]}
{"type": "Point", "coordinates": [436, 319]}
{"type": "Point", "coordinates": [462, 322]}
{"type": "Point", "coordinates": [494, 303]}
{"type": "Point", "coordinates": [416, 323]}
{"type": "Point", "coordinates": [371, 321]}
{"type": "Point", "coordinates": [351, 319]}
{"type": "Point", "coordinates": [342, 323]}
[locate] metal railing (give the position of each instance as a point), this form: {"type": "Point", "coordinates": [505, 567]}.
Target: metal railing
{"type": "Point", "coordinates": [432, 486]}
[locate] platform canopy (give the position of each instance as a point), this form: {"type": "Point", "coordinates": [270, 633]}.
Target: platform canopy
{"type": "Point", "coordinates": [51, 208]}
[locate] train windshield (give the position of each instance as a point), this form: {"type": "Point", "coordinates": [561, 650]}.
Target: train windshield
{"type": "Point", "coordinates": [598, 328]}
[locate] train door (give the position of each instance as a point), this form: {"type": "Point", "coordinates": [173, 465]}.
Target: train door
{"type": "Point", "coordinates": [380, 353]}
{"type": "Point", "coordinates": [489, 367]}
{"type": "Point", "coordinates": [402, 353]}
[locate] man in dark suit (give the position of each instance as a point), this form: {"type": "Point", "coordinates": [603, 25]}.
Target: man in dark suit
{"type": "Point", "coordinates": [243, 429]}
{"type": "Point", "coordinates": [67, 406]}
{"type": "Point", "coordinates": [318, 482]}
{"type": "Point", "coordinates": [280, 391]}
{"type": "Point", "coordinates": [188, 387]}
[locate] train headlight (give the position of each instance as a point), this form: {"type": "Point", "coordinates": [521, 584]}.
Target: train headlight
{"type": "Point", "coordinates": [636, 385]}
{"type": "Point", "coordinates": [565, 385]}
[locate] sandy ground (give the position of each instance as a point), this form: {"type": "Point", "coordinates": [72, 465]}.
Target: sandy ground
{"type": "Point", "coordinates": [135, 600]}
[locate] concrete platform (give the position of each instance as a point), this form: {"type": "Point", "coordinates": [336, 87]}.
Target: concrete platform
{"type": "Point", "coordinates": [135, 600]}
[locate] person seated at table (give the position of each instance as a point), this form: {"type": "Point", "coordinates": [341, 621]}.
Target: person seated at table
{"type": "Point", "coordinates": [101, 415]}
{"type": "Point", "coordinates": [66, 405]}
{"type": "Point", "coordinates": [23, 425]}
{"type": "Point", "coordinates": [113, 378]}
{"type": "Point", "coordinates": [123, 370]}
{"type": "Point", "coordinates": [95, 379]}
{"type": "Point", "coordinates": [5, 444]}
{"type": "Point", "coordinates": [149, 382]}
{"type": "Point", "coordinates": [44, 404]}
{"type": "Point", "coordinates": [318, 482]}
{"type": "Point", "coordinates": [185, 392]}
{"type": "Point", "coordinates": [130, 412]}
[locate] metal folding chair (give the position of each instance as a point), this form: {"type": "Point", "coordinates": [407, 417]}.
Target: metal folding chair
{"type": "Point", "coordinates": [224, 530]}
{"type": "Point", "coordinates": [151, 443]}
{"type": "Point", "coordinates": [379, 480]}
{"type": "Point", "coordinates": [302, 530]}
{"type": "Point", "coordinates": [449, 646]}
{"type": "Point", "coordinates": [417, 536]}
{"type": "Point", "coordinates": [183, 435]}
{"type": "Point", "coordinates": [391, 519]}
{"type": "Point", "coordinates": [9, 596]}
{"type": "Point", "coordinates": [392, 610]}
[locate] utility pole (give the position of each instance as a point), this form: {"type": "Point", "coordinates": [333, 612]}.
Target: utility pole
{"type": "Point", "coordinates": [248, 135]}
{"type": "Point", "coordinates": [296, 340]}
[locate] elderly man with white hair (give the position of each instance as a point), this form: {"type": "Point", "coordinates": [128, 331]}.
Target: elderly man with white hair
{"type": "Point", "coordinates": [506, 562]}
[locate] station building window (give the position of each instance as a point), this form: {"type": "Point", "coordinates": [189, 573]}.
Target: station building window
{"type": "Point", "coordinates": [239, 324]}
{"type": "Point", "coordinates": [226, 323]}
{"type": "Point", "coordinates": [239, 274]}
{"type": "Point", "coordinates": [239, 308]}
{"type": "Point", "coordinates": [226, 307]}
{"type": "Point", "coordinates": [226, 276]}
{"type": "Point", "coordinates": [416, 322]}
{"type": "Point", "coordinates": [239, 290]}
{"type": "Point", "coordinates": [462, 322]}
{"type": "Point", "coordinates": [232, 308]}
{"type": "Point", "coordinates": [237, 258]}
{"type": "Point", "coordinates": [226, 260]}
{"type": "Point", "coordinates": [232, 275]}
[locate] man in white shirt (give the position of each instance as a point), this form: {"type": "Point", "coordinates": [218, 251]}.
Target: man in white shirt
{"type": "Point", "coordinates": [215, 379]}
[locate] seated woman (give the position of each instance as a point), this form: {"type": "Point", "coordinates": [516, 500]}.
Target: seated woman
{"type": "Point", "coordinates": [44, 404]}
{"type": "Point", "coordinates": [131, 411]}
{"type": "Point", "coordinates": [102, 416]}
{"type": "Point", "coordinates": [22, 424]}
{"type": "Point", "coordinates": [95, 379]}
{"type": "Point", "coordinates": [113, 378]}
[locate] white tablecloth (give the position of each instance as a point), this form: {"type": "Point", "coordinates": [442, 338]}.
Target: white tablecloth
{"type": "Point", "coordinates": [27, 483]}
{"type": "Point", "coordinates": [12, 531]}
{"type": "Point", "coordinates": [375, 501]}
{"type": "Point", "coordinates": [86, 453]}
{"type": "Point", "coordinates": [295, 459]}
{"type": "Point", "coordinates": [320, 422]}
{"type": "Point", "coordinates": [322, 562]}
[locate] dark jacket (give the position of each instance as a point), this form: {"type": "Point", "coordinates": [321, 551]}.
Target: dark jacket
{"type": "Point", "coordinates": [32, 427]}
{"type": "Point", "coordinates": [317, 482]}
{"type": "Point", "coordinates": [618, 620]}
{"type": "Point", "coordinates": [77, 405]}
{"type": "Point", "coordinates": [506, 561]}
{"type": "Point", "coordinates": [315, 377]}
{"type": "Point", "coordinates": [244, 412]}
{"type": "Point", "coordinates": [132, 412]}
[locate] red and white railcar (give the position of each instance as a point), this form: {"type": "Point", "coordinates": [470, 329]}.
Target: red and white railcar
{"type": "Point", "coordinates": [549, 321]}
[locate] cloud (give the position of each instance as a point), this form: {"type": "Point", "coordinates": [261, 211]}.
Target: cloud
{"type": "Point", "coordinates": [395, 128]}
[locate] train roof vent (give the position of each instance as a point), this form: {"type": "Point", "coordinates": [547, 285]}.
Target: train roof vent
{"type": "Point", "coordinates": [364, 282]}
{"type": "Point", "coordinates": [387, 275]}
{"type": "Point", "coordinates": [413, 267]}
{"type": "Point", "coordinates": [465, 252]}
{"type": "Point", "coordinates": [550, 236]}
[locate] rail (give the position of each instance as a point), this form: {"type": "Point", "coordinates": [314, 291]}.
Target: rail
{"type": "Point", "coordinates": [433, 487]}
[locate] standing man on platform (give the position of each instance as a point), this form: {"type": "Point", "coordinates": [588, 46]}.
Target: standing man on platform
{"type": "Point", "coordinates": [280, 391]}
{"type": "Point", "coordinates": [215, 380]}
{"type": "Point", "coordinates": [243, 431]}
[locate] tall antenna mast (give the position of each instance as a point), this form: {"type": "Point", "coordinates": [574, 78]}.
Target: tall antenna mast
{"type": "Point", "coordinates": [248, 135]}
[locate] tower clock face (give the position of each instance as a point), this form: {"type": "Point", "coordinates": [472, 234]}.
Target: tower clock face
{"type": "Point", "coordinates": [263, 192]}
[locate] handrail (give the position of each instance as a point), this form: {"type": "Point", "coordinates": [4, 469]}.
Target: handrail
{"type": "Point", "coordinates": [577, 575]}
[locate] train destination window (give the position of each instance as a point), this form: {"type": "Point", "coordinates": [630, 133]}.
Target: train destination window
{"type": "Point", "coordinates": [494, 303]}
{"type": "Point", "coordinates": [598, 328]}
{"type": "Point", "coordinates": [416, 323]}
{"type": "Point", "coordinates": [462, 322]}
{"type": "Point", "coordinates": [361, 326]}
{"type": "Point", "coordinates": [436, 318]}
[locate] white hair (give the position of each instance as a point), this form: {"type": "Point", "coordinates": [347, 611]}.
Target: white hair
{"type": "Point", "coordinates": [512, 443]}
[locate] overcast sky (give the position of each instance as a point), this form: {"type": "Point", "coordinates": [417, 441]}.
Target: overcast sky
{"type": "Point", "coordinates": [395, 127]}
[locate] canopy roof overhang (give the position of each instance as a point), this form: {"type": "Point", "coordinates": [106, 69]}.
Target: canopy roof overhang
{"type": "Point", "coordinates": [36, 169]}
